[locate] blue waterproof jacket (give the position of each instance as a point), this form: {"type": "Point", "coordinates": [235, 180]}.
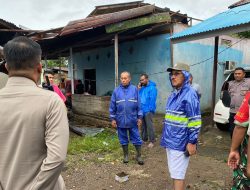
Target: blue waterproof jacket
{"type": "Point", "coordinates": [125, 106]}
{"type": "Point", "coordinates": [148, 95]}
{"type": "Point", "coordinates": [183, 119]}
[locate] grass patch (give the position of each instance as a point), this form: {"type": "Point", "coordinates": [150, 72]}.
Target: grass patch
{"type": "Point", "coordinates": [104, 147]}
{"type": "Point", "coordinates": [105, 142]}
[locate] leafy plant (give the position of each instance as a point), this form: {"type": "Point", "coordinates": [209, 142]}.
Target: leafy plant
{"type": "Point", "coordinates": [61, 62]}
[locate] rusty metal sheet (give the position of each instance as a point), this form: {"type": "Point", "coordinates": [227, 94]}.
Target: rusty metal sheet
{"type": "Point", "coordinates": [97, 21]}
{"type": "Point", "coordinates": [239, 3]}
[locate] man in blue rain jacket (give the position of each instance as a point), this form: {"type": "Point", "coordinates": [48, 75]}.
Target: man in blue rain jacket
{"type": "Point", "coordinates": [126, 116]}
{"type": "Point", "coordinates": [148, 95]}
{"type": "Point", "coordinates": [182, 124]}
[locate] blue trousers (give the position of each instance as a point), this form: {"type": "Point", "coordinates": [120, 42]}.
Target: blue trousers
{"type": "Point", "coordinates": [134, 136]}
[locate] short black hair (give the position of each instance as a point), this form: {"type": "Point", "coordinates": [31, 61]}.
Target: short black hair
{"type": "Point", "coordinates": [239, 68]}
{"type": "Point", "coordinates": [48, 72]}
{"type": "Point", "coordinates": [22, 53]}
{"type": "Point", "coordinates": [145, 75]}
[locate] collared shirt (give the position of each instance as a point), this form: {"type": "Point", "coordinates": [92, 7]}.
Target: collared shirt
{"type": "Point", "coordinates": [34, 136]}
{"type": "Point", "coordinates": [237, 91]}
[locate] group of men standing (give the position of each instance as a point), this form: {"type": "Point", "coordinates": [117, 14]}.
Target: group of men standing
{"type": "Point", "coordinates": [133, 106]}
{"type": "Point", "coordinates": [34, 126]}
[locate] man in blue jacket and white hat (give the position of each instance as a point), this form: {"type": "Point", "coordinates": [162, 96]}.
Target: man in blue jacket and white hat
{"type": "Point", "coordinates": [126, 115]}
{"type": "Point", "coordinates": [182, 124]}
{"type": "Point", "coordinates": [148, 95]}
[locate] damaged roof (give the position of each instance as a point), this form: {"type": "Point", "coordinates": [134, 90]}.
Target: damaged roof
{"type": "Point", "coordinates": [111, 8]}
{"type": "Point", "coordinates": [131, 20]}
{"type": "Point", "coordinates": [101, 20]}
{"type": "Point", "coordinates": [5, 36]}
{"type": "Point", "coordinates": [7, 25]}
{"type": "Point", "coordinates": [239, 3]}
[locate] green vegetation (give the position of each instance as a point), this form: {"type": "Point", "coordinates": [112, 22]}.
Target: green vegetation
{"type": "Point", "coordinates": [244, 34]}
{"type": "Point", "coordinates": [105, 142]}
{"type": "Point", "coordinates": [61, 62]}
{"type": "Point", "coordinates": [133, 23]}
{"type": "Point", "coordinates": [241, 35]}
{"type": "Point", "coordinates": [104, 147]}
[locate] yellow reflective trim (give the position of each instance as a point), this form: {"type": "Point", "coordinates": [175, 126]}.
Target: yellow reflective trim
{"type": "Point", "coordinates": [194, 124]}
{"type": "Point", "coordinates": [176, 118]}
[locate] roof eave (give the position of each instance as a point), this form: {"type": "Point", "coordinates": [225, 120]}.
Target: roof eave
{"type": "Point", "coordinates": [209, 34]}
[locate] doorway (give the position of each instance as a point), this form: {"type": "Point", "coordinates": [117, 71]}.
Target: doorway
{"type": "Point", "coordinates": [90, 81]}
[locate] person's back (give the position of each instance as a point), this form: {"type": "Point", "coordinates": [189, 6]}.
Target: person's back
{"type": "Point", "coordinates": [34, 127]}
{"type": "Point", "coordinates": [22, 142]}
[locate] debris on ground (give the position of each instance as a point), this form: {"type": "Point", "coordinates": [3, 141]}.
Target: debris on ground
{"type": "Point", "coordinates": [121, 177]}
{"type": "Point", "coordinates": [88, 131]}
{"type": "Point", "coordinates": [219, 137]}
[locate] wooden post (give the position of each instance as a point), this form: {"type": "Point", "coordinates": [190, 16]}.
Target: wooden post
{"type": "Point", "coordinates": [191, 21]}
{"type": "Point", "coordinates": [46, 62]}
{"type": "Point", "coordinates": [171, 48]}
{"type": "Point", "coordinates": [116, 60]}
{"type": "Point", "coordinates": [216, 47]}
{"type": "Point", "coordinates": [60, 71]}
{"type": "Point", "coordinates": [71, 70]}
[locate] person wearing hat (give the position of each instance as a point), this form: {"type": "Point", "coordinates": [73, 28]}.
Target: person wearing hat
{"type": "Point", "coordinates": [182, 124]}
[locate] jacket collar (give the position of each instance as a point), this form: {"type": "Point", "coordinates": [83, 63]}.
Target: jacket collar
{"type": "Point", "coordinates": [124, 87]}
{"type": "Point", "coordinates": [20, 81]}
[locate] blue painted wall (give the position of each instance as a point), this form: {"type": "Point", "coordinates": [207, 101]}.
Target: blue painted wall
{"type": "Point", "coordinates": [152, 55]}
{"type": "Point", "coordinates": [196, 53]}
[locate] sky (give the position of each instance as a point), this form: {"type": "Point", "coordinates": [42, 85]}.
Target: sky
{"type": "Point", "coordinates": [47, 14]}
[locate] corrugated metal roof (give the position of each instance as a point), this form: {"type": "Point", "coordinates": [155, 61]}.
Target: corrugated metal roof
{"type": "Point", "coordinates": [101, 20]}
{"type": "Point", "coordinates": [110, 8]}
{"type": "Point", "coordinates": [239, 3]}
{"type": "Point", "coordinates": [7, 25]}
{"type": "Point", "coordinates": [230, 18]}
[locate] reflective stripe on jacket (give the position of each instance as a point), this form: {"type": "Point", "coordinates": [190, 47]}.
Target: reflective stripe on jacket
{"type": "Point", "coordinates": [125, 106]}
{"type": "Point", "coordinates": [182, 120]}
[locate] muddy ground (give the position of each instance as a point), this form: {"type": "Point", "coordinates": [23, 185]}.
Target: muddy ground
{"type": "Point", "coordinates": [207, 170]}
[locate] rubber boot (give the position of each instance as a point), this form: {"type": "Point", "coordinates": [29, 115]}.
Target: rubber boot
{"type": "Point", "coordinates": [138, 155]}
{"type": "Point", "coordinates": [125, 153]}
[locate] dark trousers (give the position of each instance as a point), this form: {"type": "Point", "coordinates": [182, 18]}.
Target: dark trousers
{"type": "Point", "coordinates": [134, 135]}
{"type": "Point", "coordinates": [231, 123]}
{"type": "Point", "coordinates": [148, 131]}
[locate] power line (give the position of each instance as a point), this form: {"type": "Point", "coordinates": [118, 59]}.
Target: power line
{"type": "Point", "coordinates": [200, 62]}
{"type": "Point", "coordinates": [218, 53]}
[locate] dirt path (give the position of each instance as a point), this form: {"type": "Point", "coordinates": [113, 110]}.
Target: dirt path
{"type": "Point", "coordinates": [207, 170]}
